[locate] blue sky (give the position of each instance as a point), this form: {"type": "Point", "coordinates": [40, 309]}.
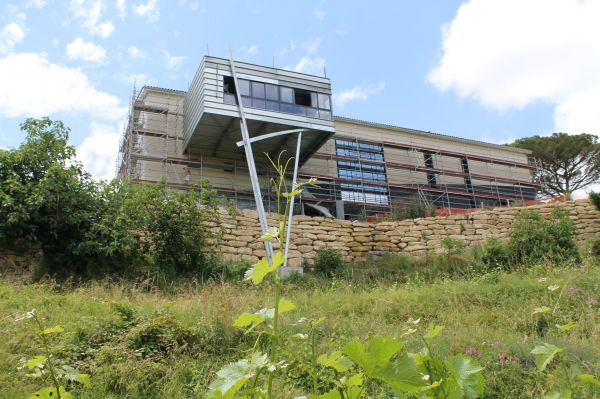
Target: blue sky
{"type": "Point", "coordinates": [491, 70]}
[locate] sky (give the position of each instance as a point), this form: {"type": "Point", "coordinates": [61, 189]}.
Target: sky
{"type": "Point", "coordinates": [491, 70]}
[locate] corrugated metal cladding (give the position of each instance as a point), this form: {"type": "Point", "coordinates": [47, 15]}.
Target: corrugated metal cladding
{"type": "Point", "coordinates": [205, 93]}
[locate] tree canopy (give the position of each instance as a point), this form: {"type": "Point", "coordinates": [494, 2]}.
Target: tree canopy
{"type": "Point", "coordinates": [567, 162]}
{"type": "Point", "coordinates": [87, 228]}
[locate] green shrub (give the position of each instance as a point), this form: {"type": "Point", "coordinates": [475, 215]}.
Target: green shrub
{"type": "Point", "coordinates": [413, 210]}
{"type": "Point", "coordinates": [534, 238]}
{"type": "Point", "coordinates": [591, 247]}
{"type": "Point", "coordinates": [452, 245]}
{"type": "Point", "coordinates": [235, 271]}
{"type": "Point", "coordinates": [495, 253]}
{"type": "Point", "coordinates": [595, 199]}
{"type": "Point", "coordinates": [328, 262]}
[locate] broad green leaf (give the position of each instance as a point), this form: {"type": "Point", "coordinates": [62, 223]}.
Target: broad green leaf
{"type": "Point", "coordinates": [72, 374]}
{"type": "Point", "coordinates": [336, 361]}
{"type": "Point", "coordinates": [542, 309]}
{"type": "Point", "coordinates": [84, 379]}
{"type": "Point", "coordinates": [433, 331]}
{"type": "Point", "coordinates": [566, 327]}
{"type": "Point", "coordinates": [53, 330]}
{"type": "Point", "coordinates": [355, 380]}
{"type": "Point", "coordinates": [589, 378]}
{"type": "Point", "coordinates": [36, 361]}
{"type": "Point", "coordinates": [50, 393]}
{"type": "Point", "coordinates": [402, 376]}
{"type": "Point", "coordinates": [544, 355]}
{"type": "Point", "coordinates": [376, 354]}
{"type": "Point", "coordinates": [465, 377]}
{"type": "Point", "coordinates": [233, 376]}
{"type": "Point", "coordinates": [285, 305]}
{"type": "Point", "coordinates": [247, 319]}
{"type": "Point", "coordinates": [333, 394]}
{"type": "Point", "coordinates": [262, 268]}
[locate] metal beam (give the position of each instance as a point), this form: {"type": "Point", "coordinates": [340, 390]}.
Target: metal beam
{"type": "Point", "coordinates": [260, 208]}
{"type": "Point", "coordinates": [271, 135]}
{"type": "Point", "coordinates": [291, 210]}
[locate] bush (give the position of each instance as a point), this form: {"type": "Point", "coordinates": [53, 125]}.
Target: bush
{"type": "Point", "coordinates": [452, 245]}
{"type": "Point", "coordinates": [413, 210]}
{"type": "Point", "coordinates": [591, 247]}
{"type": "Point", "coordinates": [328, 262]}
{"type": "Point", "coordinates": [534, 238]}
{"type": "Point", "coordinates": [495, 253]}
{"type": "Point", "coordinates": [89, 229]}
{"type": "Point", "coordinates": [595, 199]}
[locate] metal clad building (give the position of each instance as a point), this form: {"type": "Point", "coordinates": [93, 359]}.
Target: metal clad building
{"type": "Point", "coordinates": [362, 167]}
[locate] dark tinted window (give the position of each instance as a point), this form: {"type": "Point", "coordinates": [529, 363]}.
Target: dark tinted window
{"type": "Point", "coordinates": [324, 101]}
{"type": "Point", "coordinates": [244, 87]}
{"type": "Point", "coordinates": [258, 90]}
{"type": "Point", "coordinates": [287, 94]}
{"type": "Point", "coordinates": [272, 92]}
{"type": "Point", "coordinates": [302, 97]}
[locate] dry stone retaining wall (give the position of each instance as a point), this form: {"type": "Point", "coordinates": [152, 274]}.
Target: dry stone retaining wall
{"type": "Point", "coordinates": [358, 241]}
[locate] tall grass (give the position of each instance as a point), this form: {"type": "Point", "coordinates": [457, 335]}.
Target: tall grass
{"type": "Point", "coordinates": [143, 343]}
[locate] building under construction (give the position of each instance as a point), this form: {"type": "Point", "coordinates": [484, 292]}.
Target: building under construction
{"type": "Point", "coordinates": [363, 168]}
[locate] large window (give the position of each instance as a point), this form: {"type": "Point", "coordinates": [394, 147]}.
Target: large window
{"type": "Point", "coordinates": [278, 98]}
{"type": "Point", "coordinates": [357, 169]}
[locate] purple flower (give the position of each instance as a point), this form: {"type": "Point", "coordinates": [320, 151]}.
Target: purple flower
{"type": "Point", "coordinates": [471, 351]}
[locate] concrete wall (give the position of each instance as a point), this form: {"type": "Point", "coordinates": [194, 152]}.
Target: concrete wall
{"type": "Point", "coordinates": [358, 241]}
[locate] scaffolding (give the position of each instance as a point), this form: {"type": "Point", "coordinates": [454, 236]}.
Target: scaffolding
{"type": "Point", "coordinates": [404, 175]}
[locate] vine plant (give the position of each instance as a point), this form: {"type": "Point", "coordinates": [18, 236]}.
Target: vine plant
{"type": "Point", "coordinates": [553, 361]}
{"type": "Point", "coordinates": [48, 369]}
{"type": "Point", "coordinates": [382, 360]}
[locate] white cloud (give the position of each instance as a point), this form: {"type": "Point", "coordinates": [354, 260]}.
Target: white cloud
{"type": "Point", "coordinates": [98, 151]}
{"type": "Point", "coordinates": [358, 92]}
{"type": "Point", "coordinates": [148, 10]}
{"type": "Point", "coordinates": [89, 12]}
{"type": "Point", "coordinates": [121, 6]}
{"type": "Point", "coordinates": [319, 13]}
{"type": "Point", "coordinates": [136, 53]}
{"type": "Point", "coordinates": [32, 86]}
{"type": "Point", "coordinates": [311, 65]}
{"type": "Point", "coordinates": [10, 35]}
{"type": "Point", "coordinates": [87, 51]}
{"type": "Point", "coordinates": [173, 61]}
{"type": "Point", "coordinates": [511, 53]}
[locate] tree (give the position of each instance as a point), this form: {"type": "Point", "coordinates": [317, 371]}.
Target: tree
{"type": "Point", "coordinates": [567, 162]}
{"type": "Point", "coordinates": [46, 197]}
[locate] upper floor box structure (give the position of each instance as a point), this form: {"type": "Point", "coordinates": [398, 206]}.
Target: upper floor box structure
{"type": "Point", "coordinates": [273, 100]}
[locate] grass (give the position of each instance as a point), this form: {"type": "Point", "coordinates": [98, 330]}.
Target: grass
{"type": "Point", "coordinates": [137, 342]}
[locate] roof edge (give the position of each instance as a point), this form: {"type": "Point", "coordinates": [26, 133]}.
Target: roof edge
{"type": "Point", "coordinates": [432, 134]}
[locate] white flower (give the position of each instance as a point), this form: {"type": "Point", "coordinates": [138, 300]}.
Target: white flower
{"type": "Point", "coordinates": [553, 287]}
{"type": "Point", "coordinates": [543, 279]}
{"type": "Point", "coordinates": [28, 315]}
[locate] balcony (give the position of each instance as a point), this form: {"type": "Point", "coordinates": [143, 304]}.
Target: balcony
{"type": "Point", "coordinates": [273, 100]}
